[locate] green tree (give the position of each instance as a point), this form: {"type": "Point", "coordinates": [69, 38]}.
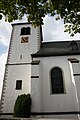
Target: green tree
{"type": "Point", "coordinates": [22, 106]}
{"type": "Point", "coordinates": [35, 10]}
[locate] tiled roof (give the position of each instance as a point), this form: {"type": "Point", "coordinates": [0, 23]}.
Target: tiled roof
{"type": "Point", "coordinates": [58, 48]}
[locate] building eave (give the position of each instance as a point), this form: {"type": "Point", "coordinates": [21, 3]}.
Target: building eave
{"type": "Point", "coordinates": [50, 55]}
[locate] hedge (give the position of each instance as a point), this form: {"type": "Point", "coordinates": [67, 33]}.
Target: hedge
{"type": "Point", "coordinates": [22, 107]}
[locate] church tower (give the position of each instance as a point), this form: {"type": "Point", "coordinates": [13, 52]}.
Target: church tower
{"type": "Point", "coordinates": [25, 40]}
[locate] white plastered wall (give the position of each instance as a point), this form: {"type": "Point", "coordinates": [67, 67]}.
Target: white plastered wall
{"type": "Point", "coordinates": [24, 49]}
{"type": "Point", "coordinates": [57, 102]}
{"type": "Point", "coordinates": [21, 72]}
{"type": "Point", "coordinates": [76, 73]}
{"type": "Point", "coordinates": [36, 87]}
{"type": "Point", "coordinates": [19, 68]}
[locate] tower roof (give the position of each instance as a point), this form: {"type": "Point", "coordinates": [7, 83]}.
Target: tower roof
{"type": "Point", "coordinates": [21, 23]}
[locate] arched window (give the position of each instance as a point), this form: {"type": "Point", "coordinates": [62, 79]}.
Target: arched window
{"type": "Point", "coordinates": [25, 31]}
{"type": "Point", "coordinates": [28, 31]}
{"type": "Point", "coordinates": [56, 81]}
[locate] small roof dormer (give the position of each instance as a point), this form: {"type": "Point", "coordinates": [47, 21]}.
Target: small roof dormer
{"type": "Point", "coordinates": [73, 45]}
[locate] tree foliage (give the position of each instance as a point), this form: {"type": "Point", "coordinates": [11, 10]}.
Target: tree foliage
{"type": "Point", "coordinates": [35, 10]}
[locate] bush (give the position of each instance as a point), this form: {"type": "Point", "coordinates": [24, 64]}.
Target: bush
{"type": "Point", "coordinates": [22, 106]}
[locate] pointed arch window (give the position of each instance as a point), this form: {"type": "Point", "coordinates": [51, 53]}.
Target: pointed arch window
{"type": "Point", "coordinates": [56, 81]}
{"type": "Point", "coordinates": [25, 31]}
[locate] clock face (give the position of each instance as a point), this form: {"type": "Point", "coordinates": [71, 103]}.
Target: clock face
{"type": "Point", "coordinates": [24, 39]}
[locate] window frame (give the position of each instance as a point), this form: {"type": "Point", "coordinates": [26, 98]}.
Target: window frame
{"type": "Point", "coordinates": [25, 31]}
{"type": "Point", "coordinates": [56, 93]}
{"type": "Point", "coordinates": [18, 87]}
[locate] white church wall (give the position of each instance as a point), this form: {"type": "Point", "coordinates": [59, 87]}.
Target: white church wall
{"type": "Point", "coordinates": [21, 72]}
{"type": "Point", "coordinates": [77, 83]}
{"type": "Point", "coordinates": [35, 93]}
{"type": "Point", "coordinates": [19, 64]}
{"type": "Point", "coordinates": [36, 88]}
{"type": "Point", "coordinates": [35, 70]}
{"type": "Point", "coordinates": [63, 101]}
{"type": "Point", "coordinates": [58, 102]}
{"type": "Point", "coordinates": [24, 49]}
{"type": "Point", "coordinates": [76, 68]}
{"type": "Point", "coordinates": [76, 72]}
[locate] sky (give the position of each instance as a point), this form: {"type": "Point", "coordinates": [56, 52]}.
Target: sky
{"type": "Point", "coordinates": [52, 31]}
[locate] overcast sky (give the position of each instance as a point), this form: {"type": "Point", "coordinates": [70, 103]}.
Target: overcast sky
{"type": "Point", "coordinates": [52, 31]}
